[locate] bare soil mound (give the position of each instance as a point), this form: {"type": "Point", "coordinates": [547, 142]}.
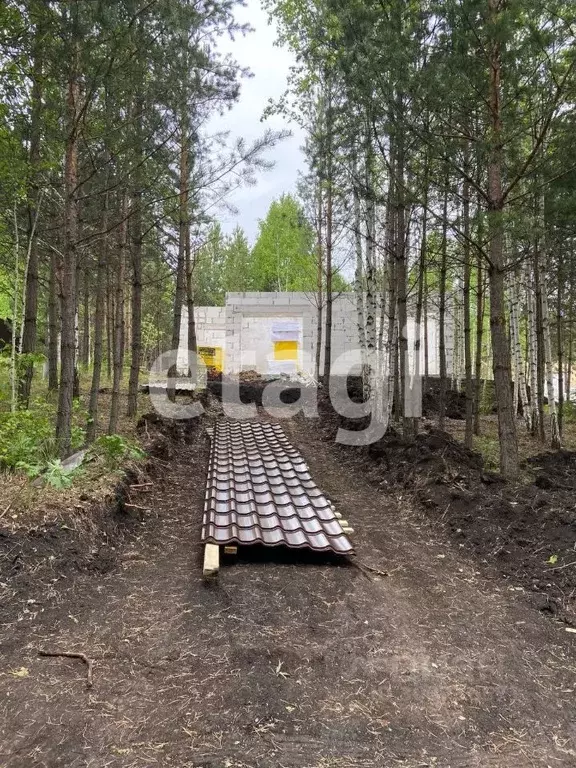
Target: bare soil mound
{"type": "Point", "coordinates": [525, 531]}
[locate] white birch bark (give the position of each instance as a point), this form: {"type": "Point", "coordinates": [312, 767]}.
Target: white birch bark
{"type": "Point", "coordinates": [554, 429]}
{"type": "Point", "coordinates": [521, 393]}
{"type": "Point", "coordinates": [532, 348]}
{"type": "Point", "coordinates": [359, 281]}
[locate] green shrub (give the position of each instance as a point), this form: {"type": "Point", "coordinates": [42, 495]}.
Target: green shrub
{"type": "Point", "coordinates": [26, 437]}
{"type": "Point", "coordinates": [58, 476]}
{"type": "Point", "coordinates": [489, 447]}
{"type": "Point", "coordinates": [569, 412]}
{"type": "Point", "coordinates": [113, 449]}
{"type": "Point", "coordinates": [28, 442]}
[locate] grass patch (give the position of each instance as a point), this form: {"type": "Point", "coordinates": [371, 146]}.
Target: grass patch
{"type": "Point", "coordinates": [489, 447]}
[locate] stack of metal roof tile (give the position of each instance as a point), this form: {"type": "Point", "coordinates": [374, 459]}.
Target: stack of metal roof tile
{"type": "Point", "coordinates": [260, 491]}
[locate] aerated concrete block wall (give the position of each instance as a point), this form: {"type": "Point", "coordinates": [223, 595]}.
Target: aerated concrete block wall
{"type": "Point", "coordinates": [243, 330]}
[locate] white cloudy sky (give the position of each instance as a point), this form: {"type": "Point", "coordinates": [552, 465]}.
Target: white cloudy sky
{"type": "Point", "coordinates": [269, 65]}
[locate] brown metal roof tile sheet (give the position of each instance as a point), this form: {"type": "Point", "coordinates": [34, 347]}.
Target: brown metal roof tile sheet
{"type": "Point", "coordinates": [259, 491]}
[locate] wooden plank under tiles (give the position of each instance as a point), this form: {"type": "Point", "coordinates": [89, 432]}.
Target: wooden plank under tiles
{"type": "Point", "coordinates": [211, 561]}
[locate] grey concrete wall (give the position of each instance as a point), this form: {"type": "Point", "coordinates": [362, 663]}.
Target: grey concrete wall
{"type": "Point", "coordinates": [243, 330]}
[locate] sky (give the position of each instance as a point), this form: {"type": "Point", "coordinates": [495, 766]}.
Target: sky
{"type": "Point", "coordinates": [270, 66]}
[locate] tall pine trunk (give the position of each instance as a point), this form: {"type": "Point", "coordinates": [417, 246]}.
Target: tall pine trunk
{"type": "Point", "coordinates": [442, 309]}
{"type": "Point", "coordinates": [119, 329]}
{"type": "Point", "coordinates": [509, 465]}
{"type": "Point", "coordinates": [409, 425]}
{"type": "Point", "coordinates": [28, 339]}
{"type": "Point", "coordinates": [479, 328]}
{"type": "Point", "coordinates": [570, 329]}
{"type": "Point", "coordinates": [99, 320]}
{"type": "Point", "coordinates": [53, 322]}
{"type": "Point", "coordinates": [136, 259]}
{"type": "Point", "coordinates": [469, 429]}
{"type": "Point", "coordinates": [67, 281]}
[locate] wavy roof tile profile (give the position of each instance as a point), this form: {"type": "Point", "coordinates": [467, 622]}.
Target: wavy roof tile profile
{"type": "Point", "coordinates": [259, 491]}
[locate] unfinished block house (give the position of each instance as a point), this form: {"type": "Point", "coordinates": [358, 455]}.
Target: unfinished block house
{"type": "Point", "coordinates": [275, 333]}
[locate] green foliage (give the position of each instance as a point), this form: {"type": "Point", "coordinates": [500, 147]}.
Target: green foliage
{"type": "Point", "coordinates": [237, 263]}
{"type": "Point", "coordinates": [568, 412]}
{"type": "Point", "coordinates": [57, 476]}
{"type": "Point", "coordinates": [209, 270]}
{"type": "Point", "coordinates": [222, 264]}
{"type": "Point", "coordinates": [26, 438]}
{"type": "Point", "coordinates": [490, 449]}
{"type": "Point", "coordinates": [5, 294]}
{"type": "Point", "coordinates": [114, 449]}
{"type": "Point", "coordinates": [283, 258]}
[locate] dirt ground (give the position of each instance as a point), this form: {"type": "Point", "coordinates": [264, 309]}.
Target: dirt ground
{"type": "Point", "coordinates": [286, 661]}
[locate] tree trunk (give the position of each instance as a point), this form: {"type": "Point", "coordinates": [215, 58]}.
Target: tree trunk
{"type": "Point", "coordinates": [328, 320]}
{"type": "Point", "coordinates": [99, 318]}
{"type": "Point", "coordinates": [391, 303]}
{"type": "Point", "coordinates": [539, 335]}
{"type": "Point", "coordinates": [28, 338]}
{"type": "Point", "coordinates": [522, 393]}
{"type": "Point", "coordinates": [547, 349]}
{"type": "Point", "coordinates": [192, 340]}
{"type": "Point", "coordinates": [479, 330]}
{"type": "Point", "coordinates": [85, 346]}
{"type": "Point", "coordinates": [359, 278]}
{"type": "Point", "coordinates": [408, 426]}
{"type": "Point", "coordinates": [532, 350]}
{"type": "Point", "coordinates": [53, 323]}
{"type": "Point", "coordinates": [469, 429]}
{"type": "Point", "coordinates": [180, 291]}
{"type": "Point", "coordinates": [136, 255]}
{"type": "Point", "coordinates": [421, 290]}
{"type": "Point", "coordinates": [570, 330]}
{"type": "Point", "coordinates": [69, 255]}
{"type": "Point", "coordinates": [442, 309]}
{"type": "Point", "coordinates": [329, 244]}
{"type": "Point", "coordinates": [371, 303]}
{"type": "Point", "coordinates": [109, 323]}
{"type": "Point", "coordinates": [119, 329]}
{"type": "Point", "coordinates": [509, 465]}
{"type": "Point", "coordinates": [319, 286]}
{"type": "Point", "coordinates": [559, 343]}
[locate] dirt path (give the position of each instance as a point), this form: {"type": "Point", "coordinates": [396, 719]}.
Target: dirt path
{"type": "Point", "coordinates": [286, 664]}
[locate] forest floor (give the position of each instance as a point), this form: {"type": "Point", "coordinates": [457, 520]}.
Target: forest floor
{"type": "Point", "coordinates": [441, 659]}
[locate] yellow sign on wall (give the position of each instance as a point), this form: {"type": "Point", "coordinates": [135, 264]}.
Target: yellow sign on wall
{"type": "Point", "coordinates": [212, 357]}
{"type": "Point", "coordinates": [285, 350]}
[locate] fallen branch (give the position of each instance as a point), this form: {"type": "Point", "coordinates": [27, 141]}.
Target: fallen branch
{"type": "Point", "coordinates": [367, 569]}
{"type": "Point", "coordinates": [71, 655]}
{"type": "Point", "coordinates": [566, 565]}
